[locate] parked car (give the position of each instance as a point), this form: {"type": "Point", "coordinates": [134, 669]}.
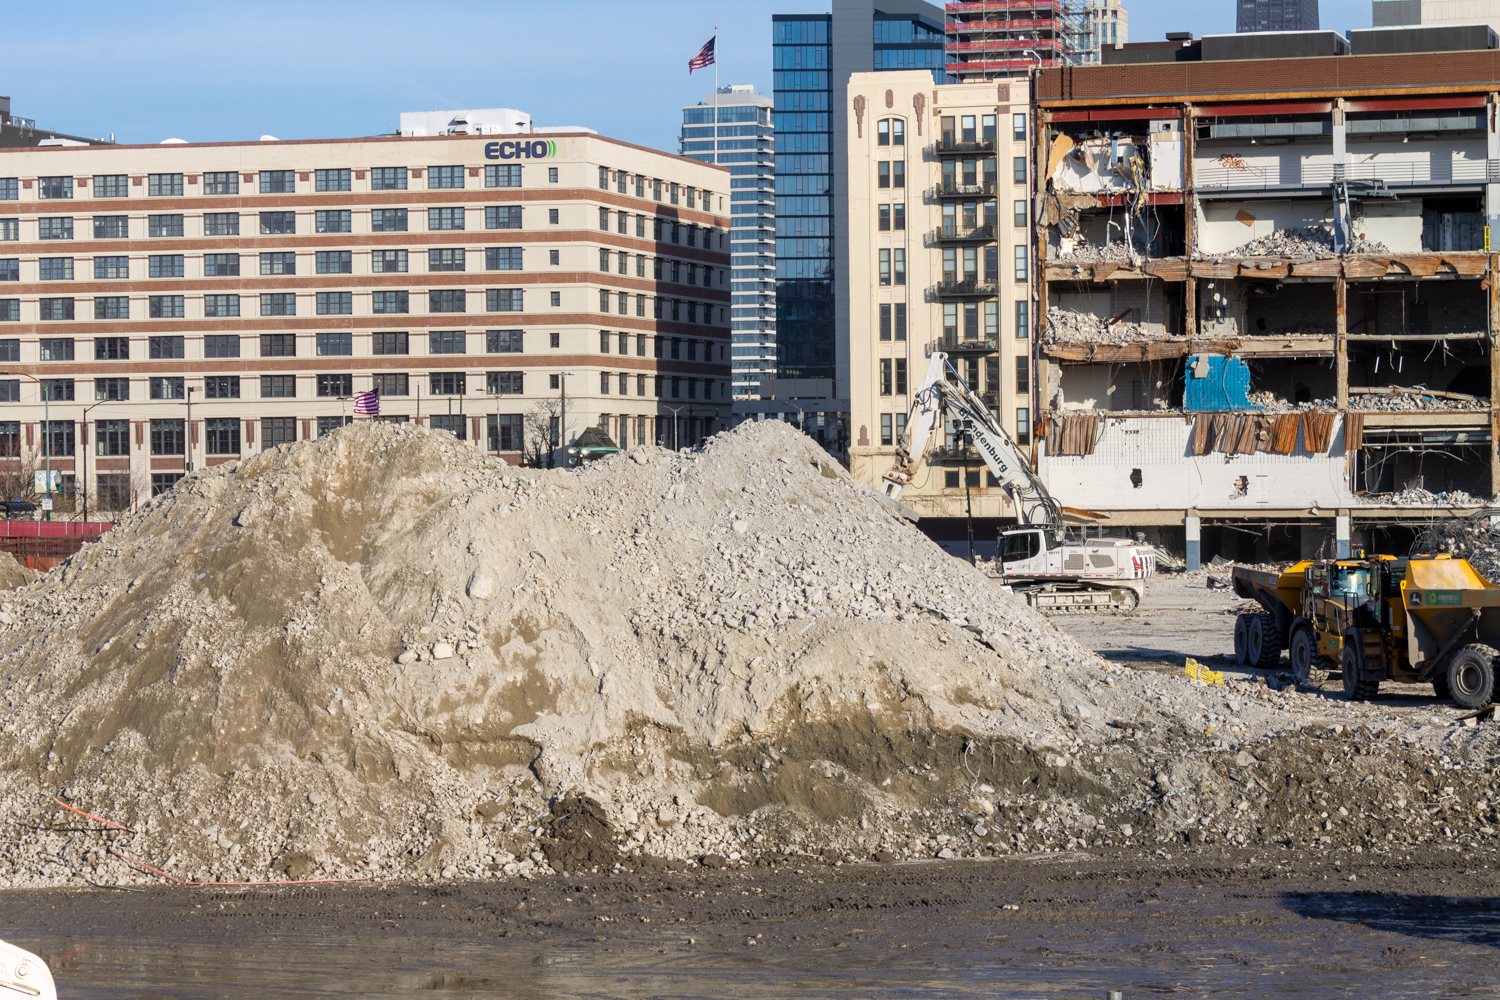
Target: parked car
{"type": "Point", "coordinates": [14, 508]}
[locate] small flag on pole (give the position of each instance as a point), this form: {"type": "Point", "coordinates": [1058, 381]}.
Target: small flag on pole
{"type": "Point", "coordinates": [704, 58]}
{"type": "Point", "coordinates": [367, 403]}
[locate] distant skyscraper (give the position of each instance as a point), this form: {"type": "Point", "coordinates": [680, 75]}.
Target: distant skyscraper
{"type": "Point", "coordinates": [1277, 15]}
{"type": "Point", "coordinates": [742, 141]}
{"type": "Point", "coordinates": [1010, 38]}
{"type": "Point", "coordinates": [1393, 13]}
{"type": "Point", "coordinates": [813, 56]}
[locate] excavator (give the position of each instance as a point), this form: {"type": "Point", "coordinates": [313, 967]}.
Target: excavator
{"type": "Point", "coordinates": [22, 974]}
{"type": "Point", "coordinates": [1056, 568]}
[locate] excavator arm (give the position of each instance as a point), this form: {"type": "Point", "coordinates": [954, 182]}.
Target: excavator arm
{"type": "Point", "coordinates": [933, 396]}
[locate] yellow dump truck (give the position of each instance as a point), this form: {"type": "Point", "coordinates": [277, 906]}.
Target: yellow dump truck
{"type": "Point", "coordinates": [1420, 619]}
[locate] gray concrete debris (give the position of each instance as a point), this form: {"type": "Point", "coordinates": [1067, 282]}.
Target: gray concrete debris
{"type": "Point", "coordinates": [1416, 496]}
{"type": "Point", "coordinates": [1413, 401]}
{"type": "Point", "coordinates": [1066, 326]}
{"type": "Point", "coordinates": [1084, 253]}
{"type": "Point", "coordinates": [1471, 538]}
{"type": "Point", "coordinates": [1312, 241]}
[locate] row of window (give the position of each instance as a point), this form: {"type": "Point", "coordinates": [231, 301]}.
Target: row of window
{"type": "Point", "coordinates": [324, 262]}
{"type": "Point", "coordinates": [968, 314]}
{"type": "Point", "coordinates": [675, 192]}
{"type": "Point", "coordinates": [223, 182]}
{"type": "Point", "coordinates": [961, 264]}
{"type": "Point", "coordinates": [280, 345]}
{"type": "Point", "coordinates": [678, 272]}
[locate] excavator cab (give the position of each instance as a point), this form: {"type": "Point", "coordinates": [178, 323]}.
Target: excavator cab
{"type": "Point", "coordinates": [1023, 551]}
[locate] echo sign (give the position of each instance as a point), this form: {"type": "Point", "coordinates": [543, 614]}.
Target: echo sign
{"type": "Point", "coordinates": [537, 149]}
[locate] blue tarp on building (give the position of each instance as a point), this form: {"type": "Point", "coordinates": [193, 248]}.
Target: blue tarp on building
{"type": "Point", "coordinates": [1216, 383]}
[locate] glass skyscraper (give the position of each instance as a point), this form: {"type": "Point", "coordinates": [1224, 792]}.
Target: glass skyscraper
{"type": "Point", "coordinates": [812, 57]}
{"type": "Point", "coordinates": [741, 140]}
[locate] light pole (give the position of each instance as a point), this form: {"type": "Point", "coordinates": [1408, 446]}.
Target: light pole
{"type": "Point", "coordinates": [46, 430]}
{"type": "Point", "coordinates": [187, 445]}
{"type": "Point", "coordinates": [800, 425]}
{"type": "Point", "coordinates": [965, 441]}
{"type": "Point", "coordinates": [562, 424]}
{"type": "Point", "coordinates": [85, 459]}
{"type": "Point", "coordinates": [675, 410]}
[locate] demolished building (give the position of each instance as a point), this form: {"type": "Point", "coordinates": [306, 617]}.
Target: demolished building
{"type": "Point", "coordinates": [1267, 295]}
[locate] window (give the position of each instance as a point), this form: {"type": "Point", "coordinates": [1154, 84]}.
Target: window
{"type": "Point", "coordinates": [335, 303]}
{"type": "Point", "coordinates": [502, 258]}
{"type": "Point", "coordinates": [502, 341]}
{"type": "Point", "coordinates": [389, 343]}
{"type": "Point", "coordinates": [10, 269]}
{"type": "Point", "coordinates": [55, 309]}
{"type": "Point", "coordinates": [1023, 374]}
{"type": "Point", "coordinates": [506, 175]}
{"type": "Point", "coordinates": [55, 228]}
{"type": "Point", "coordinates": [1018, 169]}
{"type": "Point", "coordinates": [219, 305]}
{"type": "Point", "coordinates": [604, 383]}
{"type": "Point", "coordinates": [604, 260]}
{"type": "Point", "coordinates": [1020, 213]}
{"type": "Point", "coordinates": [163, 482]}
{"type": "Point", "coordinates": [603, 300]}
{"type": "Point", "coordinates": [505, 432]}
{"type": "Point", "coordinates": [900, 376]}
{"type": "Point", "coordinates": [556, 300]}
{"type": "Point", "coordinates": [164, 185]}
{"type": "Point", "coordinates": [388, 261]}
{"type": "Point", "coordinates": [335, 262]}
{"type": "Point", "coordinates": [222, 434]}
{"type": "Point", "coordinates": [278, 182]}
{"type": "Point", "coordinates": [55, 187]}
{"type": "Point", "coordinates": [1021, 262]}
{"type": "Point", "coordinates": [554, 339]}
{"type": "Point", "coordinates": [447, 383]}
{"type": "Point", "coordinates": [453, 423]}
{"type": "Point", "coordinates": [991, 320]}
{"type": "Point", "coordinates": [388, 179]}
{"type": "Point", "coordinates": [327, 425]}
{"type": "Point", "coordinates": [10, 350]}
{"type": "Point", "coordinates": [278, 345]}
{"type": "Point", "coordinates": [883, 132]}
{"type": "Point", "coordinates": [168, 387]}
{"type": "Point", "coordinates": [885, 376]}
{"type": "Point", "coordinates": [445, 218]}
{"type": "Point", "coordinates": [57, 389]}
{"type": "Point", "coordinates": [335, 385]}
{"type": "Point", "coordinates": [900, 266]}
{"type": "Point", "coordinates": [10, 230]}
{"type": "Point", "coordinates": [446, 342]}
{"type": "Point", "coordinates": [1018, 127]}
{"type": "Point", "coordinates": [111, 307]}
{"type": "Point", "coordinates": [221, 224]}
{"type": "Point", "coordinates": [551, 175]}
{"type": "Point", "coordinates": [278, 304]}
{"type": "Point", "coordinates": [446, 300]}
{"type": "Point", "coordinates": [111, 348]}
{"type": "Point", "coordinates": [1023, 322]}
{"type": "Point", "coordinates": [113, 437]}
{"type": "Point", "coordinates": [332, 180]}
{"type": "Point", "coordinates": [111, 389]}
{"type": "Point", "coordinates": [883, 174]}
{"type": "Point", "coordinates": [445, 177]}
{"type": "Point", "coordinates": [1023, 425]}
{"type": "Point", "coordinates": [111, 227]}
{"type": "Point", "coordinates": [445, 259]}
{"type": "Point", "coordinates": [169, 307]}
{"type": "Point", "coordinates": [55, 269]}
{"type": "Point", "coordinates": [221, 345]}
{"type": "Point", "coordinates": [278, 386]}
{"type": "Point", "coordinates": [390, 302]}
{"type": "Point", "coordinates": [165, 348]}
{"type": "Point", "coordinates": [604, 219]}
{"type": "Point", "coordinates": [885, 267]}
{"type": "Point", "coordinates": [277, 431]}
{"type": "Point", "coordinates": [392, 383]}
{"type": "Point", "coordinates": [58, 436]}
{"type": "Point", "coordinates": [221, 387]}
{"type": "Point", "coordinates": [502, 217]}
{"type": "Point", "coordinates": [885, 321]}
{"type": "Point", "coordinates": [163, 225]}
{"type": "Point", "coordinates": [335, 344]}
{"type": "Point", "coordinates": [167, 265]}
{"type": "Point", "coordinates": [278, 263]}
{"type": "Point", "coordinates": [510, 299]}
{"type": "Point", "coordinates": [110, 267]}
{"type": "Point", "coordinates": [504, 383]}
{"type": "Point", "coordinates": [221, 182]}
{"type": "Point", "coordinates": [552, 216]}
{"type": "Point", "coordinates": [603, 341]}
{"type": "Point", "coordinates": [10, 310]}
{"type": "Point", "coordinates": [10, 188]}
{"type": "Point", "coordinates": [277, 223]}
{"type": "Point", "coordinates": [333, 220]}
{"type": "Point", "coordinates": [221, 265]}
{"type": "Point", "coordinates": [885, 218]}
{"type": "Point", "coordinates": [603, 178]}
{"type": "Point", "coordinates": [886, 436]}
{"type": "Point", "coordinates": [388, 220]}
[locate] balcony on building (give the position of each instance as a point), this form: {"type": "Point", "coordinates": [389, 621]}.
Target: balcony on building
{"type": "Point", "coordinates": [968, 287]}
{"type": "Point", "coordinates": [960, 233]}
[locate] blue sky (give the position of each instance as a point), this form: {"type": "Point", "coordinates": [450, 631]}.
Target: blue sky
{"type": "Point", "coordinates": [216, 71]}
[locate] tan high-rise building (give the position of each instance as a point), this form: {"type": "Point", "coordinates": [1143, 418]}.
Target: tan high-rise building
{"type": "Point", "coordinates": [179, 305]}
{"type": "Point", "coordinates": [938, 260]}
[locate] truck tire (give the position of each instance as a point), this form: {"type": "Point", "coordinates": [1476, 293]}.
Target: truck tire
{"type": "Point", "coordinates": [1242, 639]}
{"type": "Point", "coordinates": [1263, 645]}
{"type": "Point", "coordinates": [1357, 686]}
{"type": "Point", "coordinates": [1307, 665]}
{"type": "Point", "coordinates": [1471, 676]}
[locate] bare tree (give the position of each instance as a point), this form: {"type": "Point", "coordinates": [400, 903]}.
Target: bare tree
{"type": "Point", "coordinates": [538, 450]}
{"type": "Point", "coordinates": [18, 472]}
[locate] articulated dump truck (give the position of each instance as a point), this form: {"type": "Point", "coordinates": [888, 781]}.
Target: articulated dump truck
{"type": "Point", "coordinates": [1422, 619]}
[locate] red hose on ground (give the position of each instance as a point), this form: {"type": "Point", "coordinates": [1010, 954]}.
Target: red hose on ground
{"type": "Point", "coordinates": [171, 878]}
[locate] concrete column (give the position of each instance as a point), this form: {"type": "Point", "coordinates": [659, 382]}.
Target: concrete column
{"type": "Point", "coordinates": [1341, 536]}
{"type": "Point", "coordinates": [1189, 222]}
{"type": "Point", "coordinates": [1194, 542]}
{"type": "Point", "coordinates": [1340, 166]}
{"type": "Point", "coordinates": [1341, 340]}
{"type": "Point", "coordinates": [1492, 175]}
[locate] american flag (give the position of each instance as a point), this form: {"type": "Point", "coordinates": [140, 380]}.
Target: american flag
{"type": "Point", "coordinates": [367, 403]}
{"type": "Point", "coordinates": [704, 58]}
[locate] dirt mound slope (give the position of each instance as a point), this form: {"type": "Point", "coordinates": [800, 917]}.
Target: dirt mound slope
{"type": "Point", "coordinates": [382, 651]}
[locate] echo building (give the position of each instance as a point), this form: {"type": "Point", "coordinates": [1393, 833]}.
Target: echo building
{"type": "Point", "coordinates": [172, 306]}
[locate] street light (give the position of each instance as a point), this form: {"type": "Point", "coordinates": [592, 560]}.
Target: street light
{"type": "Point", "coordinates": [966, 442]}
{"type": "Point", "coordinates": [85, 460]}
{"type": "Point", "coordinates": [187, 444]}
{"type": "Point", "coordinates": [46, 430]}
{"type": "Point", "coordinates": [676, 410]}
{"type": "Point", "coordinates": [562, 424]}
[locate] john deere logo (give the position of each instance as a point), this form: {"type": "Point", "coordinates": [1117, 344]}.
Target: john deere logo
{"type": "Point", "coordinates": [538, 149]}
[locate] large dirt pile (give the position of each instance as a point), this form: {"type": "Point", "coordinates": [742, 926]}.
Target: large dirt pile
{"type": "Point", "coordinates": [382, 651]}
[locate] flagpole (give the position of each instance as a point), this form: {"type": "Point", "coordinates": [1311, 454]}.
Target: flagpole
{"type": "Point", "coordinates": [716, 95]}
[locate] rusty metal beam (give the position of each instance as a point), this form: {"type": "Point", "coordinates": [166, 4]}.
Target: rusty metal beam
{"type": "Point", "coordinates": [1058, 103]}
{"type": "Point", "coordinates": [1494, 374]}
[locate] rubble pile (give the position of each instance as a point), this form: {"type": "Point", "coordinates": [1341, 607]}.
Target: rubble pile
{"type": "Point", "coordinates": [1311, 241]}
{"type": "Point", "coordinates": [1265, 399]}
{"type": "Point", "coordinates": [1067, 326]}
{"type": "Point", "coordinates": [382, 652]}
{"type": "Point", "coordinates": [1471, 538]}
{"type": "Point", "coordinates": [1416, 496]}
{"type": "Point", "coordinates": [1412, 401]}
{"type": "Point", "coordinates": [1116, 251]}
